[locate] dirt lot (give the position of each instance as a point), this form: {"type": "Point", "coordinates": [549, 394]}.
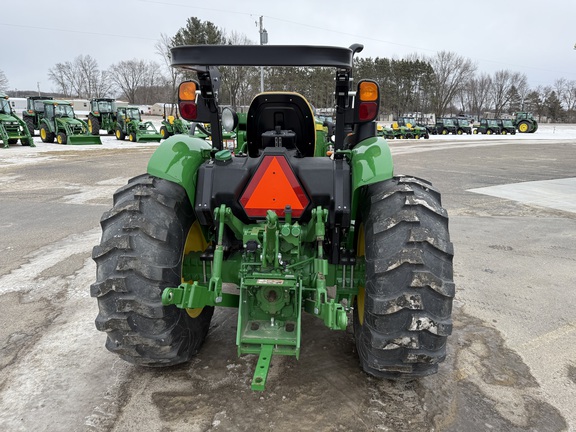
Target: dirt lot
{"type": "Point", "coordinates": [511, 358]}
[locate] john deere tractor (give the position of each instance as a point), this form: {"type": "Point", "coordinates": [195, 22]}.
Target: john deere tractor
{"type": "Point", "coordinates": [276, 231]}
{"type": "Point", "coordinates": [173, 124]}
{"type": "Point", "coordinates": [34, 112]}
{"type": "Point", "coordinates": [102, 116]}
{"type": "Point", "coordinates": [59, 122]}
{"type": "Point", "coordinates": [129, 124]}
{"type": "Point", "coordinates": [525, 122]}
{"type": "Point", "coordinates": [12, 128]}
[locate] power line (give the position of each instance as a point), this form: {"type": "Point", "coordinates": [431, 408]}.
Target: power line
{"type": "Point", "coordinates": [77, 31]}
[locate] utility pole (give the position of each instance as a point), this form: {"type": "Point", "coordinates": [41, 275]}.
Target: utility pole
{"type": "Point", "coordinates": [263, 41]}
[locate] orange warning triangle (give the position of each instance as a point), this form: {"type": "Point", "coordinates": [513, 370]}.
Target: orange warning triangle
{"type": "Point", "coordinates": [273, 187]}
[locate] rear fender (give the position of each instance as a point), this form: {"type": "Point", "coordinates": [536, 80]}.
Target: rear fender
{"type": "Point", "coordinates": [177, 160]}
{"type": "Point", "coordinates": [371, 162]}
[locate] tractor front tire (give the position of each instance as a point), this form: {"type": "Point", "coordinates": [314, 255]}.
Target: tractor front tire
{"type": "Point", "coordinates": [403, 313]}
{"type": "Point", "coordinates": [120, 135]}
{"type": "Point", "coordinates": [61, 138]}
{"type": "Point", "coordinates": [140, 254]}
{"type": "Point", "coordinates": [132, 137]}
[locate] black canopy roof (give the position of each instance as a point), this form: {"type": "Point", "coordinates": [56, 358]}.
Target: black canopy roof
{"type": "Point", "coordinates": [198, 57]}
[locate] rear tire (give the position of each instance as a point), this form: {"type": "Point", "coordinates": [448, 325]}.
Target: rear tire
{"type": "Point", "coordinates": [45, 134]}
{"type": "Point", "coordinates": [402, 316]}
{"type": "Point", "coordinates": [523, 127]}
{"type": "Point", "coordinates": [164, 132]}
{"type": "Point", "coordinates": [143, 239]}
{"type": "Point", "coordinates": [93, 125]}
{"type": "Point", "coordinates": [120, 135]}
{"type": "Point", "coordinates": [30, 125]}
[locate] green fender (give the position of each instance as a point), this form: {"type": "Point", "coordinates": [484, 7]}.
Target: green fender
{"type": "Point", "coordinates": [177, 160]}
{"type": "Point", "coordinates": [371, 162]}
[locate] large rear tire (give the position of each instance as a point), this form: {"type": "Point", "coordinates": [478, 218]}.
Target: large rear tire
{"type": "Point", "coordinates": [30, 125]}
{"type": "Point", "coordinates": [93, 125]}
{"type": "Point", "coordinates": [402, 316]}
{"type": "Point", "coordinates": [141, 253]}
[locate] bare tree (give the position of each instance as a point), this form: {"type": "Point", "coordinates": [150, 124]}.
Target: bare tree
{"type": "Point", "coordinates": [451, 73]}
{"type": "Point", "coordinates": [502, 84]}
{"type": "Point", "coordinates": [81, 78]}
{"type": "Point", "coordinates": [133, 77]}
{"type": "Point", "coordinates": [3, 81]}
{"type": "Point", "coordinates": [478, 90]}
{"type": "Point", "coordinates": [236, 80]}
{"type": "Point", "coordinates": [174, 75]}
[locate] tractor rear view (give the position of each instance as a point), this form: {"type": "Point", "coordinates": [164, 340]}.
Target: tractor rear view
{"type": "Point", "coordinates": [102, 116]}
{"type": "Point", "coordinates": [12, 128]}
{"type": "Point", "coordinates": [525, 122]}
{"type": "Point", "coordinates": [34, 112]}
{"type": "Point", "coordinates": [276, 231]}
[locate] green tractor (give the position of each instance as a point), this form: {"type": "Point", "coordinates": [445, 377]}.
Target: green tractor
{"type": "Point", "coordinates": [444, 126]}
{"type": "Point", "coordinates": [59, 122]}
{"type": "Point", "coordinates": [276, 231]}
{"type": "Point", "coordinates": [12, 128]}
{"type": "Point", "coordinates": [462, 126]}
{"type": "Point", "coordinates": [102, 116]}
{"type": "Point", "coordinates": [34, 112]}
{"type": "Point", "coordinates": [488, 127]}
{"type": "Point", "coordinates": [525, 122]}
{"type": "Point", "coordinates": [129, 124]}
{"type": "Point", "coordinates": [506, 126]}
{"type": "Point", "coordinates": [173, 124]}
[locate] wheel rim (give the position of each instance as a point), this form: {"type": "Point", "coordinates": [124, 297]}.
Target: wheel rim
{"type": "Point", "coordinates": [195, 242]}
{"type": "Point", "coordinates": [523, 127]}
{"type": "Point", "coordinates": [90, 125]}
{"type": "Point", "coordinates": [43, 133]}
{"type": "Point", "coordinates": [163, 133]}
{"type": "Point", "coordinates": [60, 139]}
{"type": "Point", "coordinates": [118, 134]}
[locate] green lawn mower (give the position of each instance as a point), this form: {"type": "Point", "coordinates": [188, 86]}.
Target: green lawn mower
{"type": "Point", "coordinates": [279, 230]}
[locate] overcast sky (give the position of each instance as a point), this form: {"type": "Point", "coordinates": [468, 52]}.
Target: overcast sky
{"type": "Point", "coordinates": [533, 37]}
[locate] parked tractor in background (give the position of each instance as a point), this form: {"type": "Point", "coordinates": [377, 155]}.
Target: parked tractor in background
{"type": "Point", "coordinates": [12, 128]}
{"type": "Point", "coordinates": [525, 122]}
{"type": "Point", "coordinates": [276, 231]}
{"type": "Point", "coordinates": [34, 112]}
{"type": "Point", "coordinates": [506, 126]}
{"type": "Point", "coordinates": [463, 126]}
{"type": "Point", "coordinates": [488, 127]}
{"type": "Point", "coordinates": [59, 122]}
{"type": "Point", "coordinates": [102, 116]}
{"type": "Point", "coordinates": [129, 124]}
{"type": "Point", "coordinates": [445, 126]}
{"type": "Point", "coordinates": [412, 129]}
{"type": "Point", "coordinates": [173, 124]}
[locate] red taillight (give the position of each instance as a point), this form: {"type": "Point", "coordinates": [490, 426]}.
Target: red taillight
{"type": "Point", "coordinates": [367, 111]}
{"type": "Point", "coordinates": [188, 110]}
{"type": "Point", "coordinates": [273, 187]}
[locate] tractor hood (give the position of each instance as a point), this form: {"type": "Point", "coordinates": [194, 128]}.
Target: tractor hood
{"type": "Point", "coordinates": [7, 118]}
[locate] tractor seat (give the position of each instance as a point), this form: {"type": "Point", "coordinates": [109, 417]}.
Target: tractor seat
{"type": "Point", "coordinates": [280, 120]}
